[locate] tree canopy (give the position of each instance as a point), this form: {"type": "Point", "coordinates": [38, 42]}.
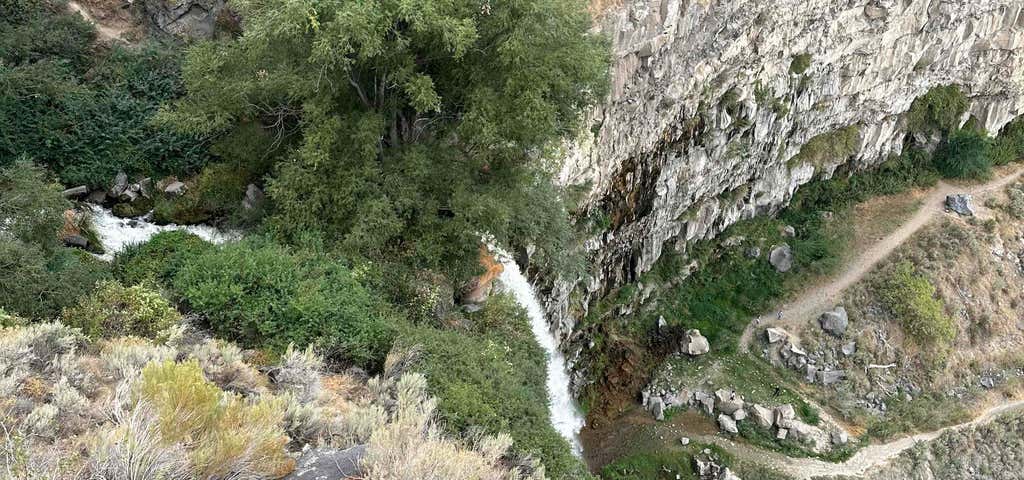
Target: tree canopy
{"type": "Point", "coordinates": [412, 127]}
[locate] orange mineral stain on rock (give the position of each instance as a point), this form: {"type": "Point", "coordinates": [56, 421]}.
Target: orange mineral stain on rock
{"type": "Point", "coordinates": [478, 289]}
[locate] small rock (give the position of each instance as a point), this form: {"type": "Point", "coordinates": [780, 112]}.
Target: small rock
{"type": "Point", "coordinates": [781, 257]}
{"type": "Point", "coordinates": [253, 197]}
{"type": "Point", "coordinates": [97, 197]}
{"type": "Point", "coordinates": [75, 191]}
{"type": "Point", "coordinates": [657, 407]}
{"type": "Point", "coordinates": [849, 348]}
{"type": "Point", "coordinates": [727, 424]}
{"type": "Point", "coordinates": [705, 401]}
{"type": "Point", "coordinates": [812, 373]}
{"type": "Point", "coordinates": [829, 377]}
{"type": "Point", "coordinates": [781, 433]}
{"type": "Point", "coordinates": [834, 322]}
{"type": "Point", "coordinates": [684, 441]}
{"type": "Point", "coordinates": [788, 231]}
{"type": "Point", "coordinates": [961, 204]}
{"type": "Point", "coordinates": [120, 184]}
{"type": "Point", "coordinates": [784, 413]}
{"type": "Point", "coordinates": [775, 335]}
{"type": "Point", "coordinates": [739, 414]}
{"type": "Point", "coordinates": [175, 188]}
{"type": "Point", "coordinates": [754, 252]}
{"type": "Point", "coordinates": [146, 187]}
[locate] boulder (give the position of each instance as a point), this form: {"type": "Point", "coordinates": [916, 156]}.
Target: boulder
{"type": "Point", "coordinates": [704, 401]}
{"type": "Point", "coordinates": [328, 463]}
{"type": "Point", "coordinates": [695, 344]}
{"type": "Point", "coordinates": [754, 252]}
{"type": "Point", "coordinates": [812, 373]}
{"type": "Point", "coordinates": [186, 19]}
{"type": "Point", "coordinates": [75, 191]}
{"type": "Point", "coordinates": [835, 321]}
{"type": "Point", "coordinates": [119, 186]}
{"type": "Point", "coordinates": [97, 197]}
{"type": "Point", "coordinates": [829, 377]}
{"type": "Point", "coordinates": [783, 414]}
{"type": "Point", "coordinates": [175, 188]}
{"type": "Point", "coordinates": [788, 231]}
{"type": "Point", "coordinates": [739, 414]}
{"type": "Point", "coordinates": [728, 401]}
{"type": "Point", "coordinates": [253, 197]}
{"type": "Point", "coordinates": [657, 408]}
{"type": "Point", "coordinates": [662, 324]}
{"type": "Point", "coordinates": [840, 437]}
{"type": "Point", "coordinates": [781, 433]}
{"type": "Point", "coordinates": [727, 474]}
{"type": "Point", "coordinates": [727, 424]}
{"type": "Point", "coordinates": [76, 241]}
{"type": "Point", "coordinates": [684, 441]}
{"type": "Point", "coordinates": [781, 257]}
{"type": "Point", "coordinates": [961, 204]}
{"type": "Point", "coordinates": [762, 415]}
{"type": "Point", "coordinates": [775, 335]}
{"type": "Point", "coordinates": [146, 187]}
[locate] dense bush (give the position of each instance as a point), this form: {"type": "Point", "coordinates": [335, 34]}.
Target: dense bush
{"type": "Point", "coordinates": [911, 298]}
{"type": "Point", "coordinates": [261, 294]}
{"type": "Point", "coordinates": [158, 259]}
{"type": "Point", "coordinates": [114, 310]}
{"type": "Point", "coordinates": [964, 155]}
{"type": "Point", "coordinates": [938, 111]}
{"type": "Point", "coordinates": [494, 377]}
{"type": "Point", "coordinates": [31, 206]}
{"type": "Point", "coordinates": [829, 148]}
{"type": "Point", "coordinates": [86, 113]}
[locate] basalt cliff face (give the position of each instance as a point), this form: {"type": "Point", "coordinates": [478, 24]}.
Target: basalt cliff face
{"type": "Point", "coordinates": [712, 100]}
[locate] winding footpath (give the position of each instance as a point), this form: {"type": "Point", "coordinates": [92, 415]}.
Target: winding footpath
{"type": "Point", "coordinates": [812, 303]}
{"type": "Point", "coordinates": [817, 300]}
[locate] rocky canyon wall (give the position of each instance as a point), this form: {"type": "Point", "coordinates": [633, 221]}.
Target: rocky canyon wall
{"type": "Point", "coordinates": [711, 102]}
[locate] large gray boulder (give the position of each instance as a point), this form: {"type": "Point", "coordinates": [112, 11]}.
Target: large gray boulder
{"type": "Point", "coordinates": [961, 204]}
{"type": "Point", "coordinates": [762, 415]}
{"type": "Point", "coordinates": [728, 401]}
{"type": "Point", "coordinates": [727, 424]}
{"type": "Point", "coordinates": [186, 19]}
{"type": "Point", "coordinates": [695, 344]}
{"type": "Point", "coordinates": [834, 322]}
{"type": "Point", "coordinates": [329, 464]}
{"type": "Point", "coordinates": [781, 257]}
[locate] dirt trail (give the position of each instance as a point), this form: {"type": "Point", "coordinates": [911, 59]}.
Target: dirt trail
{"type": "Point", "coordinates": [105, 32]}
{"type": "Point", "coordinates": [865, 459]}
{"type": "Point", "coordinates": [817, 300]}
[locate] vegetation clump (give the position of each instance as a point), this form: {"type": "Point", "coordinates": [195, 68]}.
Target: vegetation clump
{"type": "Point", "coordinates": [115, 310]}
{"type": "Point", "coordinates": [829, 148]}
{"type": "Point", "coordinates": [800, 63]}
{"type": "Point", "coordinates": [911, 297]}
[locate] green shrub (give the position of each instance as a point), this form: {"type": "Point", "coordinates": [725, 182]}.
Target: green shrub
{"type": "Point", "coordinates": [38, 285]}
{"type": "Point", "coordinates": [493, 377]}
{"type": "Point", "coordinates": [158, 259]}
{"type": "Point", "coordinates": [651, 466]}
{"type": "Point", "coordinates": [1008, 147]}
{"type": "Point", "coordinates": [217, 191]}
{"type": "Point", "coordinates": [31, 206]}
{"type": "Point", "coordinates": [964, 155]}
{"type": "Point", "coordinates": [800, 63]}
{"type": "Point", "coordinates": [226, 436]}
{"type": "Point", "coordinates": [114, 310]}
{"type": "Point", "coordinates": [261, 294]}
{"type": "Point", "coordinates": [86, 112]}
{"type": "Point", "coordinates": [938, 111]}
{"type": "Point", "coordinates": [832, 147]}
{"type": "Point", "coordinates": [911, 298]}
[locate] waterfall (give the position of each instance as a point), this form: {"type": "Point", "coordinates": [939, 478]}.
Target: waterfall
{"type": "Point", "coordinates": [565, 415]}
{"type": "Point", "coordinates": [115, 233]}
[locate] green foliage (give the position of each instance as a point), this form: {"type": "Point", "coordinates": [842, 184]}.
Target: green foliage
{"type": "Point", "coordinates": [158, 259]}
{"type": "Point", "coordinates": [1008, 147]}
{"type": "Point", "coordinates": [31, 206]}
{"type": "Point", "coordinates": [926, 412]}
{"type": "Point", "coordinates": [829, 148]}
{"type": "Point", "coordinates": [964, 155]}
{"type": "Point", "coordinates": [800, 63]}
{"type": "Point", "coordinates": [38, 285]}
{"type": "Point", "coordinates": [217, 191]}
{"type": "Point", "coordinates": [493, 376]}
{"type": "Point", "coordinates": [651, 466]}
{"type": "Point", "coordinates": [84, 112]}
{"type": "Point", "coordinates": [938, 111]}
{"type": "Point", "coordinates": [410, 130]}
{"type": "Point", "coordinates": [911, 298]}
{"type": "Point", "coordinates": [261, 294]}
{"type": "Point", "coordinates": [114, 310]}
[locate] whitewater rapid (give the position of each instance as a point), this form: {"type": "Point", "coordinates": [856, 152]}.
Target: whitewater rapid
{"type": "Point", "coordinates": [565, 414]}
{"type": "Point", "coordinates": [116, 233]}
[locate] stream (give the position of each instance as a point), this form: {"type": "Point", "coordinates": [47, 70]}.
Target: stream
{"type": "Point", "coordinates": [565, 414]}
{"type": "Point", "coordinates": [117, 233]}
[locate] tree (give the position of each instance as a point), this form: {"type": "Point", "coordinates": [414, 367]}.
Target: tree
{"type": "Point", "coordinates": [413, 127]}
{"type": "Point", "coordinates": [964, 155]}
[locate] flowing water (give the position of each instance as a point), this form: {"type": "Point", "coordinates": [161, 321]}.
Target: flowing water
{"type": "Point", "coordinates": [116, 233]}
{"type": "Point", "coordinates": [565, 415]}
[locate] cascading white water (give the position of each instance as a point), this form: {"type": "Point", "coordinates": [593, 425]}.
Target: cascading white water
{"type": "Point", "coordinates": [116, 233]}
{"type": "Point", "coordinates": [565, 415]}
